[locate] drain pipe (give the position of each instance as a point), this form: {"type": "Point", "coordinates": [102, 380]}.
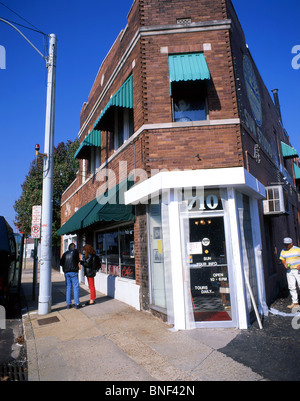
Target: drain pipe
{"type": "Point", "coordinates": [276, 102]}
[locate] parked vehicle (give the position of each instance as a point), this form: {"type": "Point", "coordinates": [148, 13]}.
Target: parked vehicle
{"type": "Point", "coordinates": [8, 259]}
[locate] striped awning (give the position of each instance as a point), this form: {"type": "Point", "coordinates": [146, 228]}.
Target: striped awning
{"type": "Point", "coordinates": [288, 152]}
{"type": "Point", "coordinates": [297, 171]}
{"type": "Point", "coordinates": [92, 140]}
{"type": "Point", "coordinates": [123, 98]}
{"type": "Point", "coordinates": [188, 67]}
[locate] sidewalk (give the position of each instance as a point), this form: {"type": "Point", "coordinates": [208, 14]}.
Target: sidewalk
{"type": "Point", "coordinates": [111, 341]}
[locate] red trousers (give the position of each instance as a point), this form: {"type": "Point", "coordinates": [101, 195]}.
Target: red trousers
{"type": "Point", "coordinates": [92, 288]}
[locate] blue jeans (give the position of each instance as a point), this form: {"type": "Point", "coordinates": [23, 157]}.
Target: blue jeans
{"type": "Point", "coordinates": [72, 280]}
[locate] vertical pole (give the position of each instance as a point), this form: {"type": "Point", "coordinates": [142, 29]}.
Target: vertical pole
{"type": "Point", "coordinates": [47, 203]}
{"type": "Point", "coordinates": [34, 278]}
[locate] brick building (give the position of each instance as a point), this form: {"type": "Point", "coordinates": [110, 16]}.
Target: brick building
{"type": "Point", "coordinates": [187, 179]}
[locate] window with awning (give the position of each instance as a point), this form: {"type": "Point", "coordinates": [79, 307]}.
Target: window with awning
{"type": "Point", "coordinates": [93, 140]}
{"type": "Point", "coordinates": [189, 79]}
{"type": "Point", "coordinates": [117, 115]}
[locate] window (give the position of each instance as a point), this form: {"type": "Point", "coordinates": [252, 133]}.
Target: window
{"type": "Point", "coordinates": [116, 251]}
{"type": "Point", "coordinates": [95, 160]}
{"type": "Point", "coordinates": [117, 115]}
{"type": "Point", "coordinates": [189, 101]}
{"type": "Point", "coordinates": [123, 126]}
{"type": "Point", "coordinates": [277, 200]}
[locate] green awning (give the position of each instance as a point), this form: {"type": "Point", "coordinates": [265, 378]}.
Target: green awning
{"type": "Point", "coordinates": [107, 207]}
{"type": "Point", "coordinates": [297, 171]}
{"type": "Point", "coordinates": [288, 152]}
{"type": "Point", "coordinates": [123, 98]}
{"type": "Point", "coordinates": [92, 140]}
{"type": "Point", "coordinates": [188, 67]}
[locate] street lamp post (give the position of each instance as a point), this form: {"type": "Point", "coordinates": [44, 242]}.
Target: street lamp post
{"type": "Point", "coordinates": [47, 202]}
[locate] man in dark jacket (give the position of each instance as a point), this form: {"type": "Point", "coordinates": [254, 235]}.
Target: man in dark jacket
{"type": "Point", "coordinates": [70, 264]}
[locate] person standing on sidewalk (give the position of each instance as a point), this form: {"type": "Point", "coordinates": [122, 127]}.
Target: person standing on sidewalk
{"type": "Point", "coordinates": [90, 264]}
{"type": "Point", "coordinates": [290, 258]}
{"type": "Point", "coordinates": [70, 264]}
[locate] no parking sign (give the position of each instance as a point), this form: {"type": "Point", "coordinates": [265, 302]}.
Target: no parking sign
{"type": "Point", "coordinates": [36, 222]}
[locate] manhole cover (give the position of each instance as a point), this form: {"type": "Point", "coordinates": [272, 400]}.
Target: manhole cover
{"type": "Point", "coordinates": [48, 320]}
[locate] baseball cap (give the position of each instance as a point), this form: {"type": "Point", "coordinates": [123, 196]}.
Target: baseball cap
{"type": "Point", "coordinates": [287, 240]}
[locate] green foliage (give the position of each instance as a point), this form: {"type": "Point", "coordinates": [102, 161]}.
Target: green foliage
{"type": "Point", "coordinates": [65, 168]}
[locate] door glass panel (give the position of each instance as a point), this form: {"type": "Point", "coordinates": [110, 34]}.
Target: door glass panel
{"type": "Point", "coordinates": [209, 279]}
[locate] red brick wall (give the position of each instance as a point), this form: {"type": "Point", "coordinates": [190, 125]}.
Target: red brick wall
{"type": "Point", "coordinates": [166, 12]}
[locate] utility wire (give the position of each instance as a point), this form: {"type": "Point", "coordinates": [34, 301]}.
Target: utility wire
{"type": "Point", "coordinates": [23, 26]}
{"type": "Point", "coordinates": [37, 29]}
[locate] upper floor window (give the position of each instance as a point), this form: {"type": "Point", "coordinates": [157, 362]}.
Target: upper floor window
{"type": "Point", "coordinates": [123, 126]}
{"type": "Point", "coordinates": [189, 101]}
{"type": "Point", "coordinates": [189, 78]}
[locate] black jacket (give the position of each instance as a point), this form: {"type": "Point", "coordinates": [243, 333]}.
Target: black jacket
{"type": "Point", "coordinates": [88, 266]}
{"type": "Point", "coordinates": [91, 265]}
{"type": "Point", "coordinates": [69, 261]}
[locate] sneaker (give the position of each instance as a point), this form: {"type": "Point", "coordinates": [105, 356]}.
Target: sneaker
{"type": "Point", "coordinates": [293, 306]}
{"type": "Point", "coordinates": [69, 306]}
{"type": "Point", "coordinates": [77, 306]}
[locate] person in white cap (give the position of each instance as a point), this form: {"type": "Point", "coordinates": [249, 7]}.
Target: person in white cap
{"type": "Point", "coordinates": [290, 258]}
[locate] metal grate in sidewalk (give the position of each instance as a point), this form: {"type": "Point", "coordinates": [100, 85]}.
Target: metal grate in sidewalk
{"type": "Point", "coordinates": [15, 371]}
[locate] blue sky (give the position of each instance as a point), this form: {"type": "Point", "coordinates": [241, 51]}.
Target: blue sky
{"type": "Point", "coordinates": [86, 31]}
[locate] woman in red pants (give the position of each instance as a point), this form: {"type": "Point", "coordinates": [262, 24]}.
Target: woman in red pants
{"type": "Point", "coordinates": [90, 268]}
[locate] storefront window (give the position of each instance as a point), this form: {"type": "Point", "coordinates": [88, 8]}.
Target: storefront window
{"type": "Point", "coordinates": [116, 251]}
{"type": "Point", "coordinates": [157, 272]}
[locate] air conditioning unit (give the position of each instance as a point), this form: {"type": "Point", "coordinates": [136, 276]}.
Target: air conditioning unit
{"type": "Point", "coordinates": [276, 202]}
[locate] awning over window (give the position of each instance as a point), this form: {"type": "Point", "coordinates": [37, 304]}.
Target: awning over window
{"type": "Point", "coordinates": [123, 98]}
{"type": "Point", "coordinates": [288, 152]}
{"type": "Point", "coordinates": [188, 67]}
{"type": "Point", "coordinates": [108, 207]}
{"type": "Point", "coordinates": [92, 140]}
{"type": "Point", "coordinates": [297, 172]}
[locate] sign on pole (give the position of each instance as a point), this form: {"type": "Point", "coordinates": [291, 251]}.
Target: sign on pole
{"type": "Point", "coordinates": [36, 221]}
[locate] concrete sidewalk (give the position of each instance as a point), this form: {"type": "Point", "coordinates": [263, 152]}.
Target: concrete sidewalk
{"type": "Point", "coordinates": [111, 341]}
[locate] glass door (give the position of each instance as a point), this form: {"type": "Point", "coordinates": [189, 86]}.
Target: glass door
{"type": "Point", "coordinates": [209, 279]}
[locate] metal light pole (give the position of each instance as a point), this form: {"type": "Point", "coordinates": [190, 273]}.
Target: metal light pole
{"type": "Point", "coordinates": [47, 202]}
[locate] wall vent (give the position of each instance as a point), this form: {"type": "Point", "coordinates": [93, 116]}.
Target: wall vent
{"type": "Point", "coordinates": [183, 21]}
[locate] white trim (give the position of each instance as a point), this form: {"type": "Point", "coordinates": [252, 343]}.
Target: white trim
{"type": "Point", "coordinates": [242, 313]}
{"type": "Point", "coordinates": [234, 176]}
{"type": "Point", "coordinates": [176, 264]}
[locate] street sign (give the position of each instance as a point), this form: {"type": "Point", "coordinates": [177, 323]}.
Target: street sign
{"type": "Point", "coordinates": [36, 212]}
{"type": "Point", "coordinates": [36, 221]}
